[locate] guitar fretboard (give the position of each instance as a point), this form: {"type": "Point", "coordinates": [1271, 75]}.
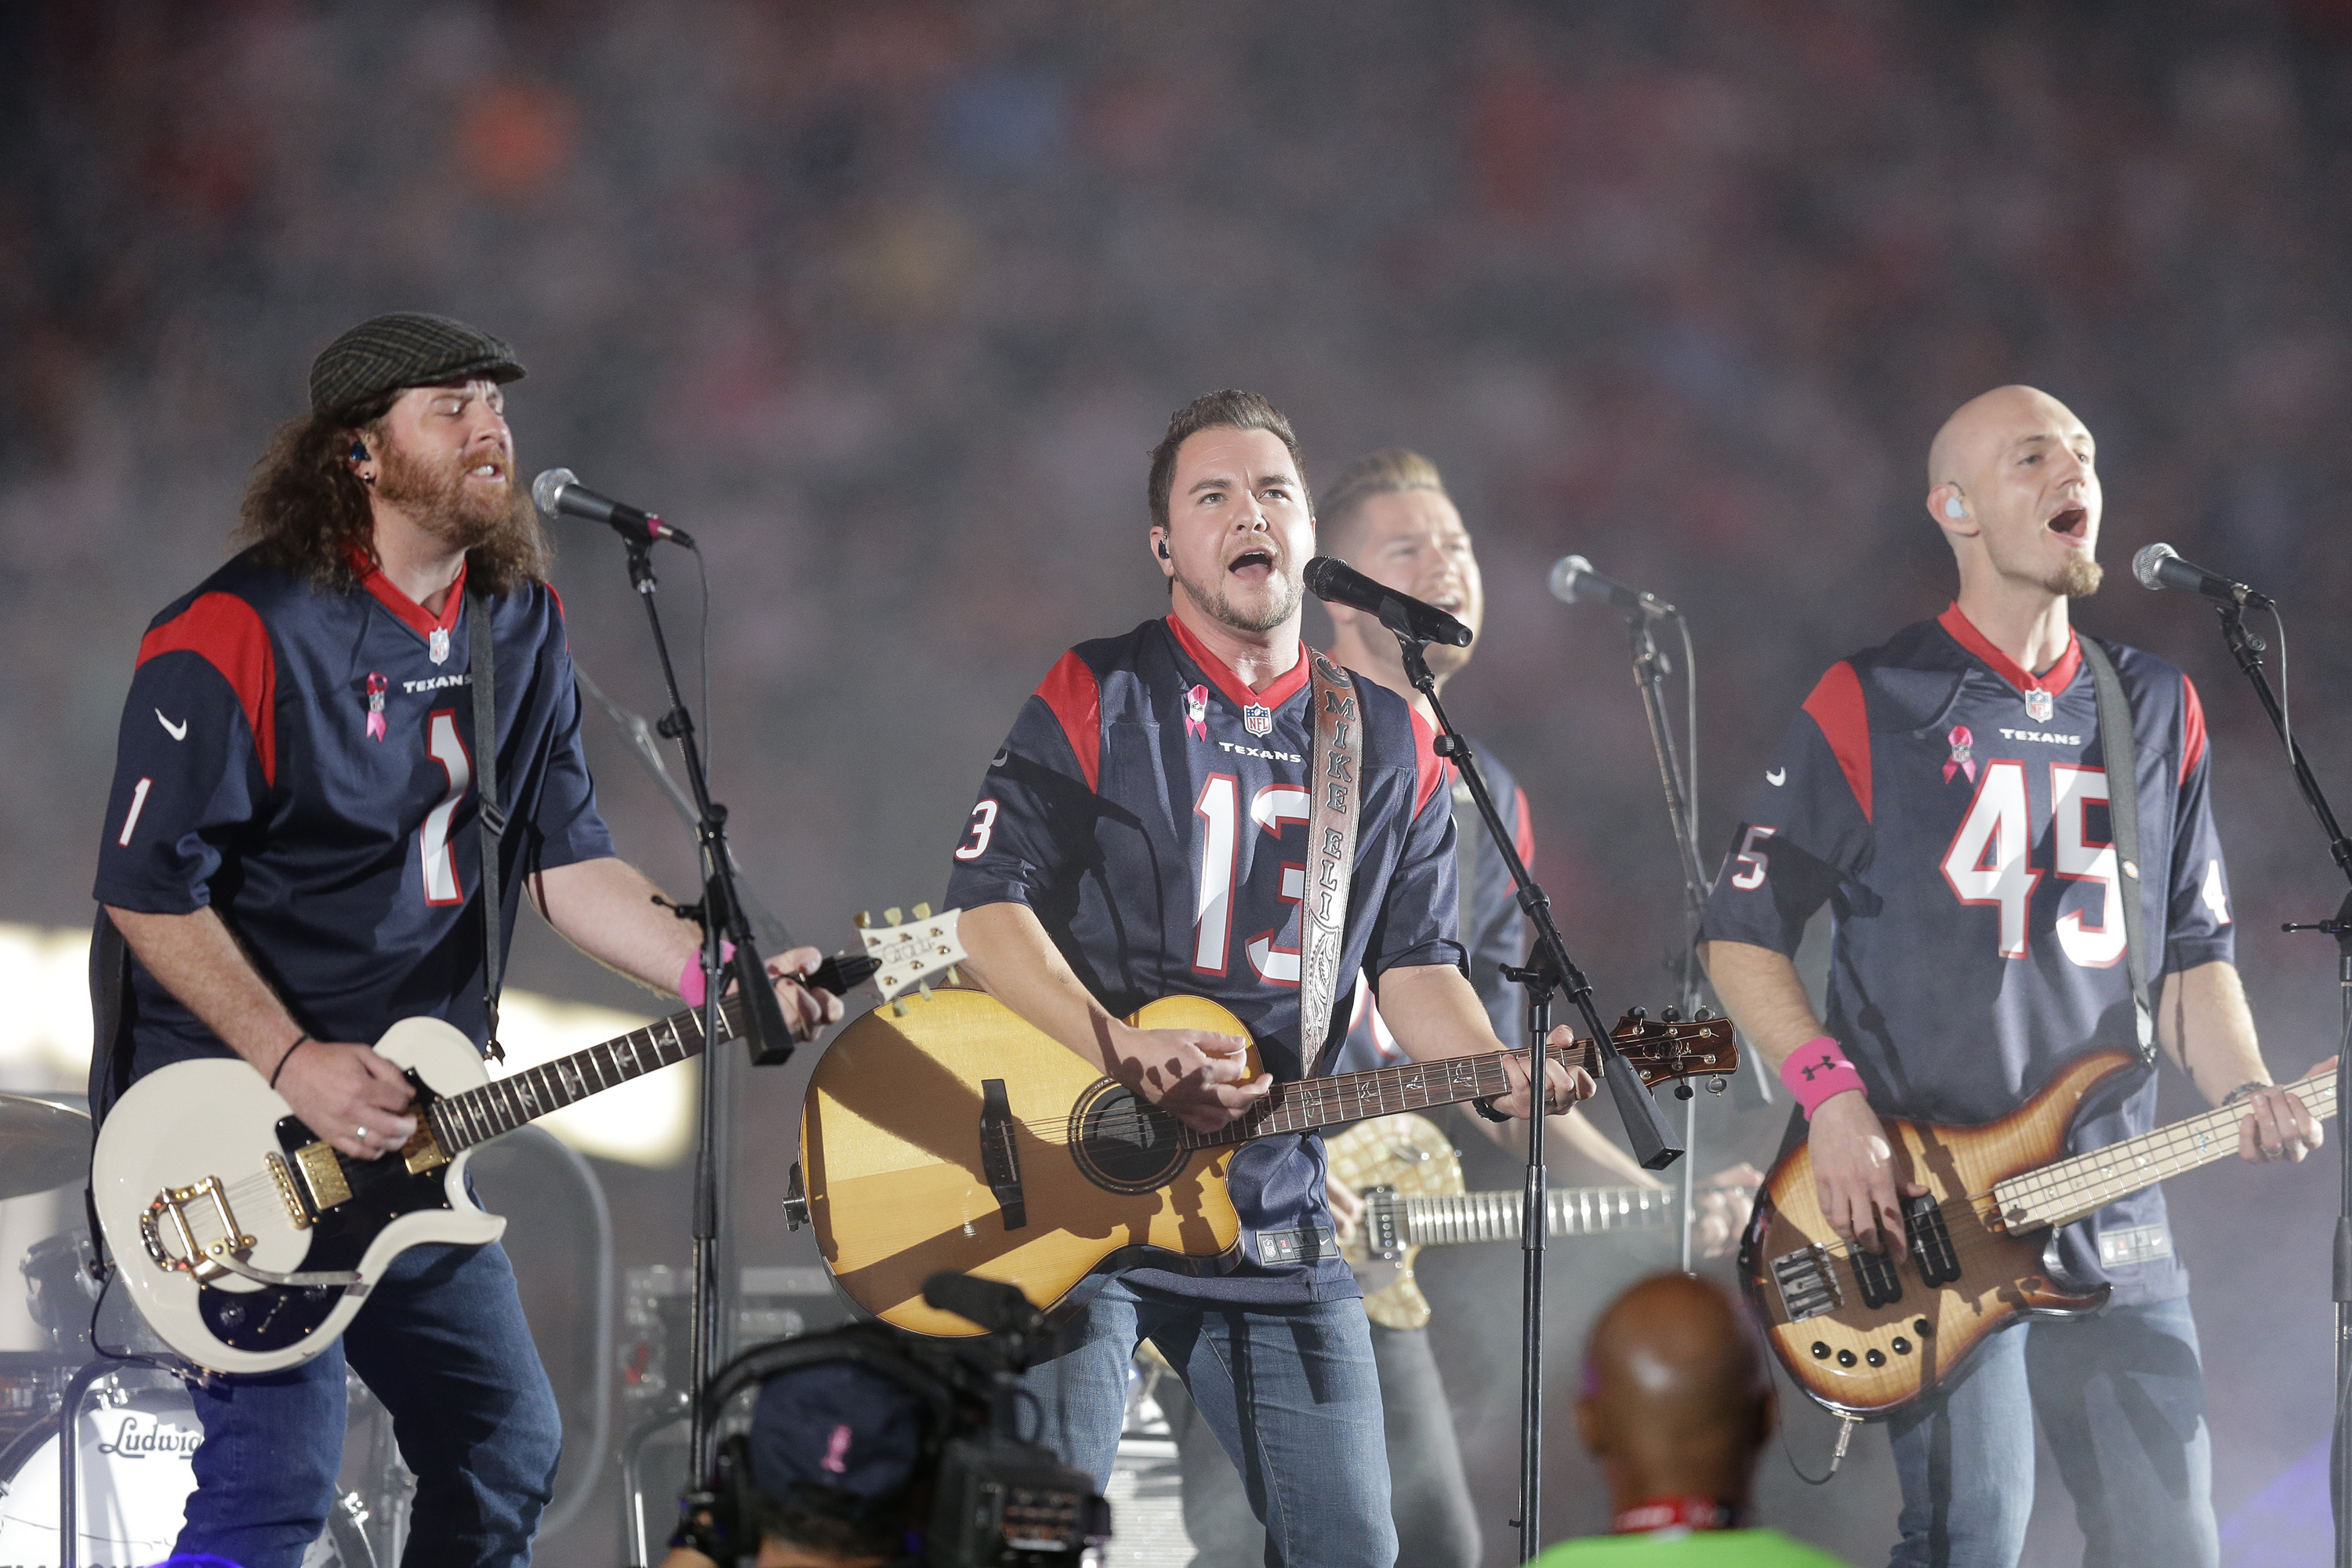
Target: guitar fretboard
{"type": "Point", "coordinates": [2067, 1190]}
{"type": "Point", "coordinates": [461, 1120]}
{"type": "Point", "coordinates": [1309, 1103]}
{"type": "Point", "coordinates": [1569, 1211]}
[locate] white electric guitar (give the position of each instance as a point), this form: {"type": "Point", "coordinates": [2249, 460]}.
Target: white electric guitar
{"type": "Point", "coordinates": [249, 1244]}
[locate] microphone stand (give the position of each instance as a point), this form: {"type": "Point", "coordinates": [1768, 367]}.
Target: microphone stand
{"type": "Point", "coordinates": [2247, 650]}
{"type": "Point", "coordinates": [1551, 970]}
{"type": "Point", "coordinates": [1650, 669]}
{"type": "Point", "coordinates": [722, 912]}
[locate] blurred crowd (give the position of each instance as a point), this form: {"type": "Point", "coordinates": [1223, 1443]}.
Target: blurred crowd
{"type": "Point", "coordinates": [886, 302]}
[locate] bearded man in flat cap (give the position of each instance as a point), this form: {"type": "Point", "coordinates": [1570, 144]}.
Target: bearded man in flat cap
{"type": "Point", "coordinates": [293, 861]}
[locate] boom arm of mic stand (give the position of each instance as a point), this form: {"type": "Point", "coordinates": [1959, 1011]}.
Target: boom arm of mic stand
{"type": "Point", "coordinates": [1645, 1124]}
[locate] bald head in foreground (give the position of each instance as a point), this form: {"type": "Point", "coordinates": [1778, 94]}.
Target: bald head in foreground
{"type": "Point", "coordinates": [1676, 1407]}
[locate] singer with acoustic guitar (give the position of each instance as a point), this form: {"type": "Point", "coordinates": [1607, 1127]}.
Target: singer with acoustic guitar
{"type": "Point", "coordinates": [1958, 799]}
{"type": "Point", "coordinates": [1153, 827]}
{"type": "Point", "coordinates": [292, 862]}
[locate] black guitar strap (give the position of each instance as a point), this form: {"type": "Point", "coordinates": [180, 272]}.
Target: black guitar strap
{"type": "Point", "coordinates": [2120, 749]}
{"type": "Point", "coordinates": [482, 676]}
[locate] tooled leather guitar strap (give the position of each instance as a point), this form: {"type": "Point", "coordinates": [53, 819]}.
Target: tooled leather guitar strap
{"type": "Point", "coordinates": [2120, 750]}
{"type": "Point", "coordinates": [1335, 766]}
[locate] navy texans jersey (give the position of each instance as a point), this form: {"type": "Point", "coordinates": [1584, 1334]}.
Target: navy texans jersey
{"type": "Point", "coordinates": [1492, 929]}
{"type": "Point", "coordinates": [1952, 809]}
{"type": "Point", "coordinates": [1151, 809]}
{"type": "Point", "coordinates": [301, 761]}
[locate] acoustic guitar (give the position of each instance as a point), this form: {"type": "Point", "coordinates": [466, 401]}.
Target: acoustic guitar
{"type": "Point", "coordinates": [1865, 1334]}
{"type": "Point", "coordinates": [1405, 1170]}
{"type": "Point", "coordinates": [950, 1134]}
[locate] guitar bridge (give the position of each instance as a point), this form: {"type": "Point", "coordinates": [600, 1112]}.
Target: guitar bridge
{"type": "Point", "coordinates": [1808, 1285]}
{"type": "Point", "coordinates": [281, 1176]}
{"type": "Point", "coordinates": [206, 1261]}
{"type": "Point", "coordinates": [1000, 1160]}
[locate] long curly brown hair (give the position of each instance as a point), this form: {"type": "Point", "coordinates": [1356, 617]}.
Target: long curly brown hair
{"type": "Point", "coordinates": [306, 513]}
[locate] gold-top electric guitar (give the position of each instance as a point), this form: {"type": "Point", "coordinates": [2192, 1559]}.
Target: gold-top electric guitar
{"type": "Point", "coordinates": [952, 1135]}
{"type": "Point", "coordinates": [1865, 1334]}
{"type": "Point", "coordinates": [1409, 1178]}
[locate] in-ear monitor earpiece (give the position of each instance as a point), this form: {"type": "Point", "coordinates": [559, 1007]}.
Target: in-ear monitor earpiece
{"type": "Point", "coordinates": [1953, 508]}
{"type": "Point", "coordinates": [358, 452]}
{"type": "Point", "coordinates": [1164, 550]}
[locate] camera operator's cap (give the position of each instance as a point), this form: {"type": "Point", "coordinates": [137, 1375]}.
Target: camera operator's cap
{"type": "Point", "coordinates": [408, 348]}
{"type": "Point", "coordinates": [837, 1427]}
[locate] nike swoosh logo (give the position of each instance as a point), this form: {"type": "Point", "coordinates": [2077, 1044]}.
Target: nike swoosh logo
{"type": "Point", "coordinates": [999, 761]}
{"type": "Point", "coordinates": [178, 731]}
{"type": "Point", "coordinates": [1776, 777]}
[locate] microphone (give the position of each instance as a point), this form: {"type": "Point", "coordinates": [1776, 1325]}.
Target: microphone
{"type": "Point", "coordinates": [1336, 582]}
{"type": "Point", "coordinates": [559, 491]}
{"type": "Point", "coordinates": [2161, 566]}
{"type": "Point", "coordinates": [1573, 581]}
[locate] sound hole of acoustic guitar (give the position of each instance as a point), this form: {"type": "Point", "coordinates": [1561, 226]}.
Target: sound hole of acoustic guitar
{"type": "Point", "coordinates": [1123, 1141]}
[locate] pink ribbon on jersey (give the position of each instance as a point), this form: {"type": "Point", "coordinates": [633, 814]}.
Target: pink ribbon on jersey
{"type": "Point", "coordinates": [836, 1452]}
{"type": "Point", "coordinates": [1196, 713]}
{"type": "Point", "coordinates": [1963, 744]}
{"type": "Point", "coordinates": [376, 687]}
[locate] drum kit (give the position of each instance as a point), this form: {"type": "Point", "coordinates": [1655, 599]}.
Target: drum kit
{"type": "Point", "coordinates": [136, 1432]}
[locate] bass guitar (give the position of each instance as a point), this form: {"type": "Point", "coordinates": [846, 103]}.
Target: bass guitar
{"type": "Point", "coordinates": [1865, 1334]}
{"type": "Point", "coordinates": [957, 1136]}
{"type": "Point", "coordinates": [249, 1243]}
{"type": "Point", "coordinates": [1405, 1170]}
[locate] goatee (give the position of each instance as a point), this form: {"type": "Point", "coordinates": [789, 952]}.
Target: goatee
{"type": "Point", "coordinates": [1222, 609]}
{"type": "Point", "coordinates": [2078, 579]}
{"type": "Point", "coordinates": [444, 505]}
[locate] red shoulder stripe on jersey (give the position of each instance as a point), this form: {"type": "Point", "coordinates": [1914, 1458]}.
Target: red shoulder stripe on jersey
{"type": "Point", "coordinates": [2054, 680]}
{"type": "Point", "coordinates": [1074, 694]}
{"type": "Point", "coordinates": [1237, 690]}
{"type": "Point", "coordinates": [1523, 834]}
{"type": "Point", "coordinates": [1435, 773]}
{"type": "Point", "coordinates": [2192, 728]}
{"type": "Point", "coordinates": [226, 633]}
{"type": "Point", "coordinates": [412, 615]}
{"type": "Point", "coordinates": [1836, 705]}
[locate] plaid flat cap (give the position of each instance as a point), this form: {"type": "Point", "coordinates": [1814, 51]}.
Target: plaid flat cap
{"type": "Point", "coordinates": [408, 348]}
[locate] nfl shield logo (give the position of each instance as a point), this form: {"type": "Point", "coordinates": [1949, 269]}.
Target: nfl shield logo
{"type": "Point", "coordinates": [2038, 706]}
{"type": "Point", "coordinates": [1257, 721]}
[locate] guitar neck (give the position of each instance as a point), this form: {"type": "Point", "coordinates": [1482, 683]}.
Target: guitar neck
{"type": "Point", "coordinates": [2070, 1189]}
{"type": "Point", "coordinates": [1310, 1103]}
{"type": "Point", "coordinates": [461, 1120]}
{"type": "Point", "coordinates": [1453, 1218]}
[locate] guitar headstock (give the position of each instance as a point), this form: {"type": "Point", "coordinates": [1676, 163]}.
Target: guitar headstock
{"type": "Point", "coordinates": [906, 955]}
{"type": "Point", "coordinates": [1668, 1046]}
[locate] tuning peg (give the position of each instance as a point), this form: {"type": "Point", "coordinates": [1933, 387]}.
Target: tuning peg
{"type": "Point", "coordinates": [1704, 1014]}
{"type": "Point", "coordinates": [925, 987]}
{"type": "Point", "coordinates": [1639, 1015]}
{"type": "Point", "coordinates": [954, 977]}
{"type": "Point", "coordinates": [1669, 1015]}
{"type": "Point", "coordinates": [922, 911]}
{"type": "Point", "coordinates": [864, 920]}
{"type": "Point", "coordinates": [1716, 1085]}
{"type": "Point", "coordinates": [890, 916]}
{"type": "Point", "coordinates": [1684, 1091]}
{"type": "Point", "coordinates": [898, 1008]}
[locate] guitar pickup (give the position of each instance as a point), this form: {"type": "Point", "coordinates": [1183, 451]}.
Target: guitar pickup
{"type": "Point", "coordinates": [1807, 1286]}
{"type": "Point", "coordinates": [1931, 1240]}
{"type": "Point", "coordinates": [1000, 1160]}
{"type": "Point", "coordinates": [1875, 1272]}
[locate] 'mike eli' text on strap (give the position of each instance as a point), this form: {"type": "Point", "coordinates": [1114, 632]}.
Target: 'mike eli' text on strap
{"type": "Point", "coordinates": [461, 1120]}
{"type": "Point", "coordinates": [1335, 770]}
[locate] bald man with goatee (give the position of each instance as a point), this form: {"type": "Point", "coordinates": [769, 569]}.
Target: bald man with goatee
{"type": "Point", "coordinates": [1946, 792]}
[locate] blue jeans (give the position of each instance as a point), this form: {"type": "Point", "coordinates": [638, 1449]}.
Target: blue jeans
{"type": "Point", "coordinates": [443, 1344]}
{"type": "Point", "coordinates": [1289, 1391]}
{"type": "Point", "coordinates": [2122, 1400]}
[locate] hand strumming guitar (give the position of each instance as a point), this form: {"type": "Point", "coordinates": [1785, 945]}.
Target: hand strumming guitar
{"type": "Point", "coordinates": [352, 1098]}
{"type": "Point", "coordinates": [1200, 1079]}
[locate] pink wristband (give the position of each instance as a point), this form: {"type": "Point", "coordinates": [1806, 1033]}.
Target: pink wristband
{"type": "Point", "coordinates": [690, 979]}
{"type": "Point", "coordinates": [1817, 1069]}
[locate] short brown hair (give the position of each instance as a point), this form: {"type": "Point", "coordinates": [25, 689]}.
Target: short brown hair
{"type": "Point", "coordinates": [1388, 471]}
{"type": "Point", "coordinates": [1226, 410]}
